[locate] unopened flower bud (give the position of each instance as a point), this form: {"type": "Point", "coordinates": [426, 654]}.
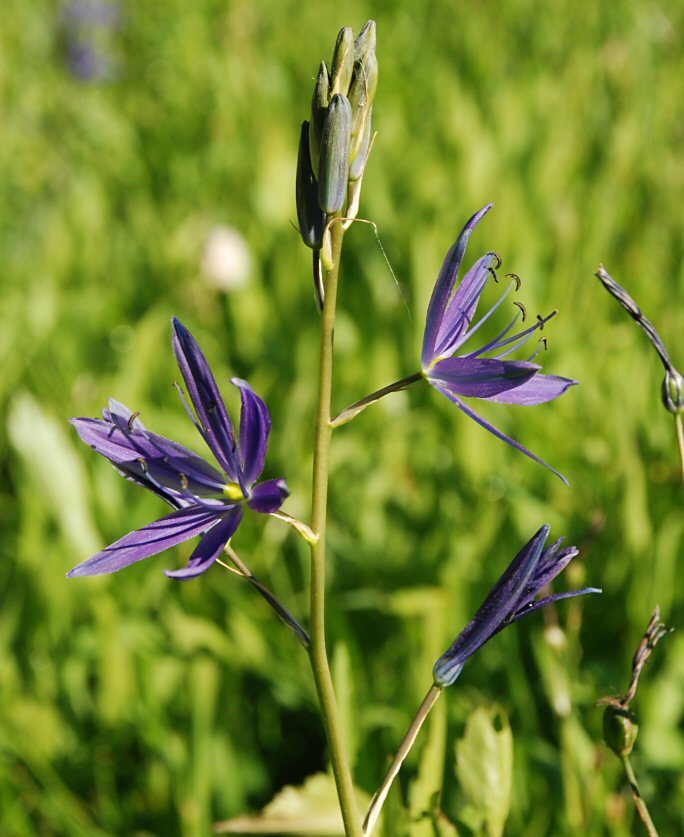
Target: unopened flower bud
{"type": "Point", "coordinates": [361, 94]}
{"type": "Point", "coordinates": [365, 41]}
{"type": "Point", "coordinates": [619, 730]}
{"type": "Point", "coordinates": [343, 62]}
{"type": "Point", "coordinates": [673, 391]}
{"type": "Point", "coordinates": [358, 160]}
{"type": "Point", "coordinates": [309, 214]}
{"type": "Point", "coordinates": [333, 170]}
{"type": "Point", "coordinates": [319, 109]}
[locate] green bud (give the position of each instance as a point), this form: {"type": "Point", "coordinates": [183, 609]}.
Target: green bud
{"type": "Point", "coordinates": [309, 214]}
{"type": "Point", "coordinates": [343, 62]}
{"type": "Point", "coordinates": [365, 41]}
{"type": "Point", "coordinates": [361, 94]}
{"type": "Point", "coordinates": [333, 170]}
{"type": "Point", "coordinates": [619, 730]}
{"type": "Point", "coordinates": [358, 163]}
{"type": "Point", "coordinates": [319, 108]}
{"type": "Point", "coordinates": [673, 391]}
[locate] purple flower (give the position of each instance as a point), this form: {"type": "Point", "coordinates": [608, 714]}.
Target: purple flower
{"type": "Point", "coordinates": [449, 326]}
{"type": "Point", "coordinates": [513, 596]}
{"type": "Point", "coordinates": [206, 501]}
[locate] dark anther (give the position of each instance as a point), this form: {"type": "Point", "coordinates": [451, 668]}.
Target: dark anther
{"type": "Point", "coordinates": [545, 342]}
{"type": "Point", "coordinates": [143, 465]}
{"type": "Point", "coordinates": [498, 259]}
{"type": "Point", "coordinates": [522, 308]}
{"type": "Point", "coordinates": [132, 418]}
{"type": "Point", "coordinates": [493, 272]}
{"type": "Point", "coordinates": [541, 322]}
{"type": "Point", "coordinates": [516, 279]}
{"type": "Point", "coordinates": [184, 482]}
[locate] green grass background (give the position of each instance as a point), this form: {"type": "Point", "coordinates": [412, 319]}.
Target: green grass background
{"type": "Point", "coordinates": [131, 704]}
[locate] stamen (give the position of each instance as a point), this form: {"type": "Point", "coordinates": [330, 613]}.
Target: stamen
{"type": "Point", "coordinates": [497, 257]}
{"type": "Point", "coordinates": [485, 317]}
{"type": "Point", "coordinates": [131, 419]}
{"type": "Point", "coordinates": [522, 338]}
{"type": "Point", "coordinates": [143, 464]}
{"type": "Point", "coordinates": [522, 308]}
{"type": "Point", "coordinates": [545, 342]}
{"type": "Point", "coordinates": [493, 273]}
{"type": "Point", "coordinates": [495, 342]}
{"type": "Point", "coordinates": [516, 279]}
{"type": "Point", "coordinates": [184, 481]}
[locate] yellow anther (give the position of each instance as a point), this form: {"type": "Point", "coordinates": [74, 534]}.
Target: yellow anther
{"type": "Point", "coordinates": [233, 491]}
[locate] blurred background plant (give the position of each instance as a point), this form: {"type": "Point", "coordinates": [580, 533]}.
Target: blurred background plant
{"type": "Point", "coordinates": [133, 705]}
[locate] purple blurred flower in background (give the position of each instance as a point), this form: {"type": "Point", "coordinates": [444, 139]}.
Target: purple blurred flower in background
{"type": "Point", "coordinates": [207, 501]}
{"type": "Point", "coordinates": [89, 28]}
{"type": "Point", "coordinates": [448, 327]}
{"type": "Point", "coordinates": [514, 596]}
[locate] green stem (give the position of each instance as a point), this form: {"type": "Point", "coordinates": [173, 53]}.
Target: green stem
{"type": "Point", "coordinates": [680, 439]}
{"type": "Point", "coordinates": [355, 409]}
{"type": "Point", "coordinates": [378, 800]}
{"type": "Point", "coordinates": [638, 798]}
{"type": "Point", "coordinates": [317, 650]}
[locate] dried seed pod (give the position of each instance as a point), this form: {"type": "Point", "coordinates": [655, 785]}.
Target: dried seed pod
{"type": "Point", "coordinates": [333, 171]}
{"type": "Point", "coordinates": [309, 214]}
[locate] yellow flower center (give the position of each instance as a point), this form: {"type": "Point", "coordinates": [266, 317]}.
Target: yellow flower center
{"type": "Point", "coordinates": [232, 491]}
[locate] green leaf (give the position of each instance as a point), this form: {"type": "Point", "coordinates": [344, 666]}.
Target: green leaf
{"type": "Point", "coordinates": [311, 810]}
{"type": "Point", "coordinates": [484, 766]}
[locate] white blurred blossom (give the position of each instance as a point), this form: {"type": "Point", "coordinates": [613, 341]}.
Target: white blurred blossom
{"type": "Point", "coordinates": [227, 259]}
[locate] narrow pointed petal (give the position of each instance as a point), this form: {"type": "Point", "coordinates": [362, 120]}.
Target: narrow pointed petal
{"type": "Point", "coordinates": [268, 496]}
{"type": "Point", "coordinates": [482, 377]}
{"type": "Point", "coordinates": [556, 597]}
{"type": "Point", "coordinates": [460, 312]}
{"type": "Point", "coordinates": [210, 547]}
{"type": "Point", "coordinates": [255, 425]}
{"type": "Point", "coordinates": [204, 393]}
{"type": "Point", "coordinates": [494, 612]}
{"type": "Point", "coordinates": [152, 458]}
{"type": "Point", "coordinates": [150, 540]}
{"type": "Point", "coordinates": [493, 430]}
{"type": "Point", "coordinates": [538, 390]}
{"type": "Point", "coordinates": [444, 287]}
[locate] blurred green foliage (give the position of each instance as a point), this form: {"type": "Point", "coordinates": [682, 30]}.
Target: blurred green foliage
{"type": "Point", "coordinates": [133, 705]}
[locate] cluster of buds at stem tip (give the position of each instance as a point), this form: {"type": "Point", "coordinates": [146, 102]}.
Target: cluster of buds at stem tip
{"type": "Point", "coordinates": [335, 142]}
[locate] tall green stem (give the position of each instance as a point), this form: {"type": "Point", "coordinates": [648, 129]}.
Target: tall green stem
{"type": "Point", "coordinates": [317, 650]}
{"type": "Point", "coordinates": [638, 798]}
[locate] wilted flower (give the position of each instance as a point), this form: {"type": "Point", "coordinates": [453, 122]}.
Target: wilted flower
{"type": "Point", "coordinates": [449, 326]}
{"type": "Point", "coordinates": [207, 501]}
{"type": "Point", "coordinates": [514, 596]}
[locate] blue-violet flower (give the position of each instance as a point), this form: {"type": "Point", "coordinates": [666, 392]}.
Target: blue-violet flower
{"type": "Point", "coordinates": [449, 326]}
{"type": "Point", "coordinates": [206, 501]}
{"type": "Point", "coordinates": [514, 596]}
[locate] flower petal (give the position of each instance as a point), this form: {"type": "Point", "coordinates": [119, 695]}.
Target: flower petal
{"type": "Point", "coordinates": [444, 287]}
{"type": "Point", "coordinates": [443, 388]}
{"type": "Point", "coordinates": [210, 547]}
{"type": "Point", "coordinates": [173, 529]}
{"type": "Point", "coordinates": [268, 496]}
{"type": "Point", "coordinates": [556, 597]}
{"type": "Point", "coordinates": [255, 425]}
{"type": "Point", "coordinates": [149, 458]}
{"type": "Point", "coordinates": [455, 326]}
{"type": "Point", "coordinates": [216, 426]}
{"type": "Point", "coordinates": [494, 613]}
{"type": "Point", "coordinates": [538, 390]}
{"type": "Point", "coordinates": [482, 377]}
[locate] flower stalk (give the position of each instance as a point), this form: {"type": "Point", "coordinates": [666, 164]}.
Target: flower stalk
{"type": "Point", "coordinates": [321, 465]}
{"type": "Point", "coordinates": [409, 740]}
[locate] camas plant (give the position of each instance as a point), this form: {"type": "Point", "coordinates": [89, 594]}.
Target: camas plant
{"type": "Point", "coordinates": [210, 501]}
